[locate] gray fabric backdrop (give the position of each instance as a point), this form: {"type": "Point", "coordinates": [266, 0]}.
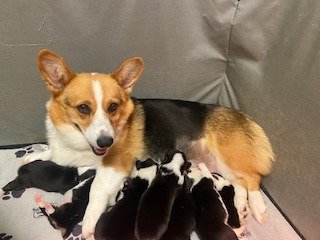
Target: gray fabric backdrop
{"type": "Point", "coordinates": [259, 56]}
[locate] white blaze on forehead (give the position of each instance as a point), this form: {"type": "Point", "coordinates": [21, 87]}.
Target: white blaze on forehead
{"type": "Point", "coordinates": [100, 125]}
{"type": "Point", "coordinates": [94, 73]}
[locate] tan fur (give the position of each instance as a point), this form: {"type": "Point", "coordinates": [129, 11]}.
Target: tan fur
{"type": "Point", "coordinates": [241, 143]}
{"type": "Point", "coordinates": [131, 144]}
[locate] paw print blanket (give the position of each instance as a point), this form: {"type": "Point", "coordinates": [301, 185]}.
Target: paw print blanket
{"type": "Point", "coordinates": [21, 218]}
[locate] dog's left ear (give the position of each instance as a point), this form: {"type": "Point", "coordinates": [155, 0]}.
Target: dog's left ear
{"type": "Point", "coordinates": [129, 73]}
{"type": "Point", "coordinates": [54, 71]}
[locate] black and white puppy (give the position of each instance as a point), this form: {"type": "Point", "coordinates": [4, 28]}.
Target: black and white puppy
{"type": "Point", "coordinates": [119, 222]}
{"type": "Point", "coordinates": [211, 213]}
{"type": "Point", "coordinates": [48, 176]}
{"type": "Point", "coordinates": [66, 216]}
{"type": "Point", "coordinates": [226, 191]}
{"type": "Point", "coordinates": [182, 220]}
{"type": "Point", "coordinates": [156, 203]}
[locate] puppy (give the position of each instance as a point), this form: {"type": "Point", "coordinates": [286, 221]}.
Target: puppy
{"type": "Point", "coordinates": [182, 219]}
{"type": "Point", "coordinates": [211, 214]}
{"type": "Point", "coordinates": [48, 176]}
{"type": "Point", "coordinates": [226, 191]}
{"type": "Point", "coordinates": [119, 222]}
{"type": "Point", "coordinates": [92, 120]}
{"type": "Point", "coordinates": [156, 203]}
{"type": "Point", "coordinates": [66, 216]}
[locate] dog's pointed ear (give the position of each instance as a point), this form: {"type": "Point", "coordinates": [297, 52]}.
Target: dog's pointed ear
{"type": "Point", "coordinates": [129, 73]}
{"type": "Point", "coordinates": [54, 71]}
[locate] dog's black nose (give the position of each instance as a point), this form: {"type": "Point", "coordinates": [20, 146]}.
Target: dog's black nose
{"type": "Point", "coordinates": [104, 141]}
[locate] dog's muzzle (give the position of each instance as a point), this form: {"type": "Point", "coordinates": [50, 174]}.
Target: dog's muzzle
{"type": "Point", "coordinates": [103, 143]}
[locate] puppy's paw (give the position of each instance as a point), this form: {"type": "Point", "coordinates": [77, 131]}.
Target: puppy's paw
{"type": "Point", "coordinates": [45, 155]}
{"type": "Point", "coordinates": [49, 208]}
{"type": "Point", "coordinates": [39, 200]}
{"type": "Point", "coordinates": [195, 176]}
{"type": "Point", "coordinates": [31, 158]}
{"type": "Point", "coordinates": [2, 192]}
{"type": "Point", "coordinates": [204, 170]}
{"type": "Point", "coordinates": [202, 167]}
{"type": "Point", "coordinates": [257, 206]}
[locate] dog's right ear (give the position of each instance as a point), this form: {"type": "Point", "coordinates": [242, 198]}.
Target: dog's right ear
{"type": "Point", "coordinates": [54, 71]}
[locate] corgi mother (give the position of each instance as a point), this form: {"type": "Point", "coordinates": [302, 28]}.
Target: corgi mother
{"type": "Point", "coordinates": [92, 120]}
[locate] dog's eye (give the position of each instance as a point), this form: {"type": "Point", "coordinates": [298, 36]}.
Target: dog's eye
{"type": "Point", "coordinates": [84, 109]}
{"type": "Point", "coordinates": [112, 107]}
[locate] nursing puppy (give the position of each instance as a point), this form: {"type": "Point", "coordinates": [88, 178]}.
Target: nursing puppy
{"type": "Point", "coordinates": [66, 216]}
{"type": "Point", "coordinates": [92, 120]}
{"type": "Point", "coordinates": [48, 176]}
{"type": "Point", "coordinates": [226, 191]}
{"type": "Point", "coordinates": [156, 203]}
{"type": "Point", "coordinates": [182, 219]}
{"type": "Point", "coordinates": [211, 214]}
{"type": "Point", "coordinates": [119, 222]}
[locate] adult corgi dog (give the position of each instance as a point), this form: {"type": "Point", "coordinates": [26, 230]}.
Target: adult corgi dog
{"type": "Point", "coordinates": [92, 120]}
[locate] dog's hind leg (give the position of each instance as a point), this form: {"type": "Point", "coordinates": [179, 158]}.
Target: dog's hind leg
{"type": "Point", "coordinates": [256, 201]}
{"type": "Point", "coordinates": [244, 156]}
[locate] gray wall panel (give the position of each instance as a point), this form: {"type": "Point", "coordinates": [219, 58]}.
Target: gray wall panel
{"type": "Point", "coordinates": [276, 67]}
{"type": "Point", "coordinates": [176, 40]}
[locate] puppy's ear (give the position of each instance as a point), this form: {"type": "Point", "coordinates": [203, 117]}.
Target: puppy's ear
{"type": "Point", "coordinates": [129, 73]}
{"type": "Point", "coordinates": [139, 164]}
{"type": "Point", "coordinates": [54, 71]}
{"type": "Point", "coordinates": [187, 165]}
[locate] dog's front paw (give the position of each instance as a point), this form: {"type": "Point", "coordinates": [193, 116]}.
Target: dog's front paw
{"type": "Point", "coordinates": [45, 155]}
{"type": "Point", "coordinates": [88, 225]}
{"type": "Point", "coordinates": [258, 206]}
